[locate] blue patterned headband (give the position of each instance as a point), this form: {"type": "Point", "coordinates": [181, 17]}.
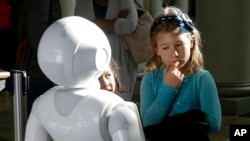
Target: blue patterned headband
{"type": "Point", "coordinates": [180, 20]}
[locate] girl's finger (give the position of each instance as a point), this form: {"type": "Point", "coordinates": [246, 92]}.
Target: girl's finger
{"type": "Point", "coordinates": [173, 66]}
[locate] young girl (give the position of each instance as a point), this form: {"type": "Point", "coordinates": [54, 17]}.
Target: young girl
{"type": "Point", "coordinates": [110, 77]}
{"type": "Point", "coordinates": [176, 92]}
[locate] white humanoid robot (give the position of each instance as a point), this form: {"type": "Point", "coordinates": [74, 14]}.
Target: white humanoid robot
{"type": "Point", "coordinates": [73, 52]}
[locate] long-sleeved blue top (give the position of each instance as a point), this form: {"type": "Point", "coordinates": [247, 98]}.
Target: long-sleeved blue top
{"type": "Point", "coordinates": [197, 91]}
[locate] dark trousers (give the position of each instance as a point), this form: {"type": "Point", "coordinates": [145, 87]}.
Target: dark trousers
{"type": "Point", "coordinates": [187, 126]}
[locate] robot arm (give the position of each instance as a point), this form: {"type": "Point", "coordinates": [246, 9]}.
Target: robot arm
{"type": "Point", "coordinates": [125, 124]}
{"type": "Point", "coordinates": [35, 131]}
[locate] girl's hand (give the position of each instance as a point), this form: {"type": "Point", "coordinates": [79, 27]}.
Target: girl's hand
{"type": "Point", "coordinates": [173, 76]}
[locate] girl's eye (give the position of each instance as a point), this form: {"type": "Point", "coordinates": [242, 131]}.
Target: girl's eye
{"type": "Point", "coordinates": [108, 75]}
{"type": "Point", "coordinates": [165, 47]}
{"type": "Point", "coordinates": [179, 44]}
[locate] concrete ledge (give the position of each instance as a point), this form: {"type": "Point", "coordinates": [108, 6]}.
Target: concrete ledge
{"type": "Point", "coordinates": [234, 90]}
{"type": "Point", "coordinates": [235, 106]}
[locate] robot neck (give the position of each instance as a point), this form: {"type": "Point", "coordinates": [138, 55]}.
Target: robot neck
{"type": "Point", "coordinates": [66, 98]}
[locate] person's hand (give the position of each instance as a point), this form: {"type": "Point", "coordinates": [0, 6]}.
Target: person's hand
{"type": "Point", "coordinates": [173, 76]}
{"type": "Point", "coordinates": [123, 14]}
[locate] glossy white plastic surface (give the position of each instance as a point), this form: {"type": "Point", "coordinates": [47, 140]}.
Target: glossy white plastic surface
{"type": "Point", "coordinates": [73, 52]}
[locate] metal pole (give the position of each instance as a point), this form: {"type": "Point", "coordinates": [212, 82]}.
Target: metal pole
{"type": "Point", "coordinates": [19, 90]}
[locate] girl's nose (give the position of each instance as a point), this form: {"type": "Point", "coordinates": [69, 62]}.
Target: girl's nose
{"type": "Point", "coordinates": [106, 81]}
{"type": "Point", "coordinates": [174, 52]}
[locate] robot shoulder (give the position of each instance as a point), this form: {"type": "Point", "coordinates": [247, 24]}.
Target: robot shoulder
{"type": "Point", "coordinates": [44, 102]}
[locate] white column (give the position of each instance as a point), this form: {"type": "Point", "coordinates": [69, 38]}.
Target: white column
{"type": "Point", "coordinates": [225, 31]}
{"type": "Point", "coordinates": [183, 5]}
{"type": "Point", "coordinates": [155, 7]}
{"type": "Point", "coordinates": [67, 7]}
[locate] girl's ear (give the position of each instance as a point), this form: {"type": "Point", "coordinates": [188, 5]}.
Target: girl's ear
{"type": "Point", "coordinates": [192, 40]}
{"type": "Point", "coordinates": [156, 50]}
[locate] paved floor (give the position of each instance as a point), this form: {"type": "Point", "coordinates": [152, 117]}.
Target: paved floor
{"type": "Point", "coordinates": [6, 117]}
{"type": "Point", "coordinates": [7, 126]}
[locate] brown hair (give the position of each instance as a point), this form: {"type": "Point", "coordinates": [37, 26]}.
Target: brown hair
{"type": "Point", "coordinates": [116, 71]}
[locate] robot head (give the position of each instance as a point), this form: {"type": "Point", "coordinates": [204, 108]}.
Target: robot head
{"type": "Point", "coordinates": [73, 52]}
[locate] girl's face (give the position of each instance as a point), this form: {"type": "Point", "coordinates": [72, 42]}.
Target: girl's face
{"type": "Point", "coordinates": [107, 80]}
{"type": "Point", "coordinates": [174, 48]}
